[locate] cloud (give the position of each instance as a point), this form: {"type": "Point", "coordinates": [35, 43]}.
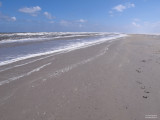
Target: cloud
{"type": "Point", "coordinates": [30, 10]}
{"type": "Point", "coordinates": [153, 27]}
{"type": "Point", "coordinates": [130, 5]}
{"type": "Point", "coordinates": [7, 18]}
{"type": "Point", "coordinates": [64, 23]}
{"type": "Point", "coordinates": [135, 24]}
{"type": "Point", "coordinates": [111, 13]}
{"type": "Point", "coordinates": [48, 15]}
{"type": "Point", "coordinates": [81, 21]}
{"type": "Point", "coordinates": [0, 4]}
{"type": "Point", "coordinates": [140, 26]}
{"type": "Point", "coordinates": [121, 7]}
{"type": "Point", "coordinates": [13, 18]}
{"type": "Point", "coordinates": [51, 22]}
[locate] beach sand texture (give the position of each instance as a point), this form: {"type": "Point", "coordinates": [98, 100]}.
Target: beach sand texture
{"type": "Point", "coordinates": [116, 80]}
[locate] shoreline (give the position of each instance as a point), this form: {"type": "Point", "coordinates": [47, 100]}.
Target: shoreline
{"type": "Point", "coordinates": [62, 50]}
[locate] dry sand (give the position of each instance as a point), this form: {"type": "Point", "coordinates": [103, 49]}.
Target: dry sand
{"type": "Point", "coordinates": [117, 80]}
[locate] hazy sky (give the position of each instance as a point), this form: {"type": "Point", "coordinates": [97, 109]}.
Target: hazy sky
{"type": "Point", "coordinates": [133, 16]}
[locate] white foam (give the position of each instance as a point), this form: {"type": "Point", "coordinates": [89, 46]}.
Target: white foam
{"type": "Point", "coordinates": [46, 36]}
{"type": "Point", "coordinates": [70, 67]}
{"type": "Point", "coordinates": [23, 75]}
{"type": "Point", "coordinates": [67, 48]}
{"type": "Point", "coordinates": [19, 65]}
{"type": "Point", "coordinates": [58, 72]}
{"type": "Point", "coordinates": [23, 40]}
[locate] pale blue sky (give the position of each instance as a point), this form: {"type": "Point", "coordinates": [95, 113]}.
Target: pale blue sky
{"type": "Point", "coordinates": [131, 16]}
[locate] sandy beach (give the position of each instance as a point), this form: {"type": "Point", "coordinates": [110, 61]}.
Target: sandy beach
{"type": "Point", "coordinates": [114, 80]}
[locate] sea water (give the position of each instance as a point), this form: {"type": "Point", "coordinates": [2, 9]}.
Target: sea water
{"type": "Point", "coordinates": [19, 46]}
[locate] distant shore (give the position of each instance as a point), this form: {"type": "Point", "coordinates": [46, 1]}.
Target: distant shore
{"type": "Point", "coordinates": [114, 80]}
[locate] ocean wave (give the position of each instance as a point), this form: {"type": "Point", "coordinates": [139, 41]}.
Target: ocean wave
{"type": "Point", "coordinates": [28, 37]}
{"type": "Point", "coordinates": [68, 47]}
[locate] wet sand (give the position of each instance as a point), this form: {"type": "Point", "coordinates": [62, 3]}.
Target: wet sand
{"type": "Point", "coordinates": [116, 80]}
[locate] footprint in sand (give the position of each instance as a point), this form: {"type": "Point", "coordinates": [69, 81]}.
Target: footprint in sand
{"type": "Point", "coordinates": [146, 91]}
{"type": "Point", "coordinates": [144, 61]}
{"type": "Point", "coordinates": [139, 82]}
{"type": "Point", "coordinates": [139, 70]}
{"type": "Point", "coordinates": [145, 97]}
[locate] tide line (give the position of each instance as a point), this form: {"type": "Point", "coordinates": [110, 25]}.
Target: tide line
{"type": "Point", "coordinates": [24, 75]}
